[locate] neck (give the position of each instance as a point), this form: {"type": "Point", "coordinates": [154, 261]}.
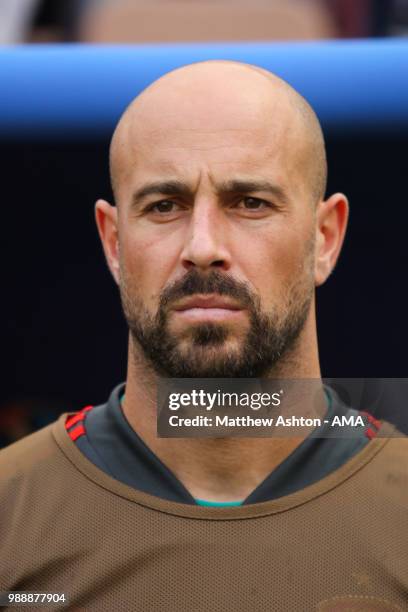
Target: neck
{"type": "Point", "coordinates": [216, 469]}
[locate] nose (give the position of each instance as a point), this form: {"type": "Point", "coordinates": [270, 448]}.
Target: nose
{"type": "Point", "coordinates": [205, 247]}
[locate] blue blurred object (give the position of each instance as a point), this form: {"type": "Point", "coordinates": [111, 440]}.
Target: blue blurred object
{"type": "Point", "coordinates": [67, 91]}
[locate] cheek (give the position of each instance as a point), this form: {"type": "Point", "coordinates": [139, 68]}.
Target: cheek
{"type": "Point", "coordinates": [276, 262]}
{"type": "Point", "coordinates": [148, 262]}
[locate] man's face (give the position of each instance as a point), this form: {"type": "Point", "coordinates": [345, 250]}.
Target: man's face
{"type": "Point", "coordinates": [216, 239]}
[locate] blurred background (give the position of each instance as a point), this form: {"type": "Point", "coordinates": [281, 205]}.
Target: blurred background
{"type": "Point", "coordinates": [63, 339]}
{"type": "Point", "coordinates": [115, 21]}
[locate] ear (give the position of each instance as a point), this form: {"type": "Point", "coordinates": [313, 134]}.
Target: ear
{"type": "Point", "coordinates": [331, 220]}
{"type": "Point", "coordinates": [107, 223]}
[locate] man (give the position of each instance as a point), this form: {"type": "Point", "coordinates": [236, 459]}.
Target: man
{"type": "Point", "coordinates": [220, 233]}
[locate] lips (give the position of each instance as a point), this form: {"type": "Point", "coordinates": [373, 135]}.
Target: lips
{"type": "Point", "coordinates": [207, 302]}
{"type": "Point", "coordinates": [207, 308]}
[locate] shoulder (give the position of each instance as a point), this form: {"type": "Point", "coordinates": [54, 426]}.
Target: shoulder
{"type": "Point", "coordinates": [28, 455]}
{"type": "Point", "coordinates": [36, 480]}
{"type": "Point", "coordinates": [38, 506]}
{"type": "Point", "coordinates": [396, 448]}
{"type": "Point", "coordinates": [390, 465]}
{"type": "Point", "coordinates": [33, 444]}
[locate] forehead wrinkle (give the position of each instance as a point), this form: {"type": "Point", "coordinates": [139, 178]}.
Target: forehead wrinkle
{"type": "Point", "coordinates": [136, 106]}
{"type": "Point", "coordinates": [311, 143]}
{"type": "Point", "coordinates": [316, 149]}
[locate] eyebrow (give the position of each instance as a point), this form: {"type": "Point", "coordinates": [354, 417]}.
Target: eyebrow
{"type": "Point", "coordinates": [170, 188]}
{"type": "Point", "coordinates": [251, 186]}
{"type": "Point", "coordinates": [234, 186]}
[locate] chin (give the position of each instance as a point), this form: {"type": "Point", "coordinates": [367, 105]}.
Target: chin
{"type": "Point", "coordinates": [218, 346]}
{"type": "Point", "coordinates": [209, 361]}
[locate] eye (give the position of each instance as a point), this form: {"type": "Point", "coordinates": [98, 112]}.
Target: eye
{"type": "Point", "coordinates": [162, 207]}
{"type": "Point", "coordinates": [163, 211]}
{"type": "Point", "coordinates": [255, 204]}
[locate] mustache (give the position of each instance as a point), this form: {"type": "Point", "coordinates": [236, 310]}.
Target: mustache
{"type": "Point", "coordinates": [214, 282]}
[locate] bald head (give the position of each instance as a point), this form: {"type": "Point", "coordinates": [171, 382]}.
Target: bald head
{"type": "Point", "coordinates": [222, 97]}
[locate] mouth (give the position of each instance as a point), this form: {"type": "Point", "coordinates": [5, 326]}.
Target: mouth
{"type": "Point", "coordinates": [208, 308]}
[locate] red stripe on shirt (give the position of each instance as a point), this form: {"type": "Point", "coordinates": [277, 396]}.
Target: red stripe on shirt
{"type": "Point", "coordinates": [78, 431]}
{"type": "Point", "coordinates": [370, 433]}
{"type": "Point", "coordinates": [79, 416]}
{"type": "Point", "coordinates": [371, 419]}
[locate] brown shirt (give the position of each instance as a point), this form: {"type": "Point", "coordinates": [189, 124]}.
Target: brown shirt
{"type": "Point", "coordinates": [339, 544]}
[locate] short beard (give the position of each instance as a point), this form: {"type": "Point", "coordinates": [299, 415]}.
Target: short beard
{"type": "Point", "coordinates": [270, 338]}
